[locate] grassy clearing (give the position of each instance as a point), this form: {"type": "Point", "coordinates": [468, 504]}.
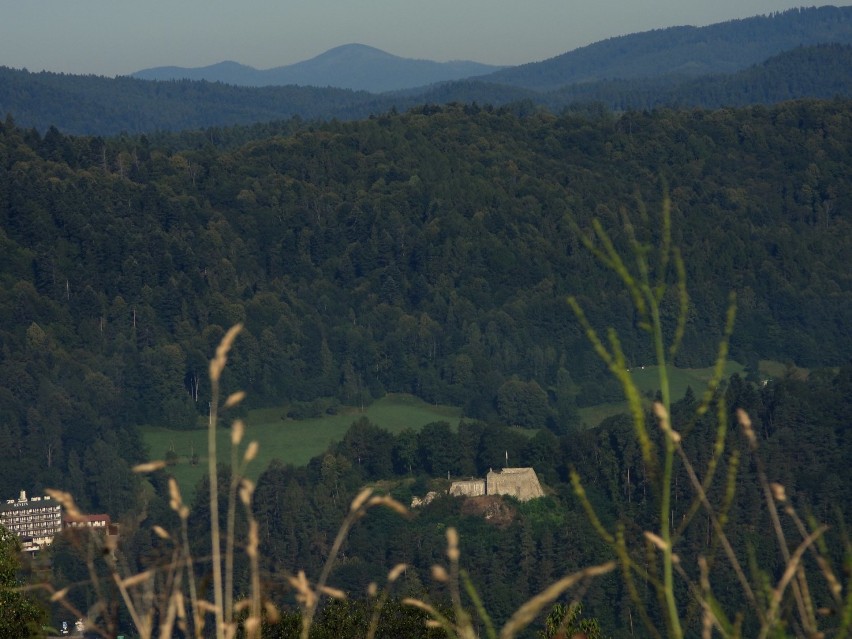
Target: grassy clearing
{"type": "Point", "coordinates": [297, 441]}
{"type": "Point", "coordinates": [774, 369]}
{"type": "Point", "coordinates": [647, 379]}
{"type": "Point", "coordinates": [290, 441]}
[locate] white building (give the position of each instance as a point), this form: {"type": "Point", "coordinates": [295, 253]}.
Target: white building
{"type": "Point", "coordinates": [35, 521]}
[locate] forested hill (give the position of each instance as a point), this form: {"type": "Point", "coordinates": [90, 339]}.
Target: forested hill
{"type": "Point", "coordinates": [823, 71]}
{"type": "Point", "coordinates": [429, 252]}
{"type": "Point", "coordinates": [95, 105]}
{"type": "Point", "coordinates": [101, 106]}
{"type": "Point", "coordinates": [725, 47]}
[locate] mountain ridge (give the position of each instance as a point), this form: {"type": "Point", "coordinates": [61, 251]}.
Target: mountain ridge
{"type": "Point", "coordinates": [723, 47]}
{"type": "Point", "coordinates": [104, 106]}
{"type": "Point", "coordinates": [353, 66]}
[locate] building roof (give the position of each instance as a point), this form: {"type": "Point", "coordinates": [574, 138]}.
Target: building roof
{"type": "Point", "coordinates": [22, 503]}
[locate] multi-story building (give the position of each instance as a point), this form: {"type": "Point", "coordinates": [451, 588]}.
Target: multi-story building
{"type": "Point", "coordinates": [35, 521]}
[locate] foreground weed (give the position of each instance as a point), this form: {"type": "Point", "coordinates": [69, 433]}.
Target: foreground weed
{"type": "Point", "coordinates": [652, 560]}
{"type": "Point", "coordinates": [166, 597]}
{"type": "Point", "coordinates": [463, 625]}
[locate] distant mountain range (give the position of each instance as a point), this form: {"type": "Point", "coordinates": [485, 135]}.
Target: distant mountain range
{"type": "Point", "coordinates": [351, 66]}
{"type": "Point", "coordinates": [725, 47]}
{"type": "Point", "coordinates": [680, 67]}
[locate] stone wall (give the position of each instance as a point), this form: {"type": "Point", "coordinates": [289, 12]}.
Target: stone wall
{"type": "Point", "coordinates": [520, 483]}
{"type": "Point", "coordinates": [468, 488]}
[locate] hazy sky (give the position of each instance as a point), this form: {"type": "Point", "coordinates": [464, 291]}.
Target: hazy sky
{"type": "Point", "coordinates": [116, 37]}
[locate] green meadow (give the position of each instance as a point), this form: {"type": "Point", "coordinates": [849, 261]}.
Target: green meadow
{"type": "Point", "coordinates": [297, 441]}
{"type": "Point", "coordinates": [290, 441]}
{"type": "Point", "coordinates": [647, 380]}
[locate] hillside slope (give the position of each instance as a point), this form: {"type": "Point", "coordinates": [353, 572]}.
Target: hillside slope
{"type": "Point", "coordinates": [690, 51]}
{"type": "Point", "coordinates": [821, 72]}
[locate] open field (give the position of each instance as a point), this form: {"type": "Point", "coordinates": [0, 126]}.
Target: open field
{"type": "Point", "coordinates": [646, 378]}
{"type": "Point", "coordinates": [297, 441]}
{"type": "Point", "coordinates": [775, 370]}
{"type": "Point", "coordinates": [291, 441]}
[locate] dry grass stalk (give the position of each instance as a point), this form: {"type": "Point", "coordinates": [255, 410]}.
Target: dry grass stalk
{"type": "Point", "coordinates": [217, 365]}
{"type": "Point", "coordinates": [531, 609]}
{"type": "Point", "coordinates": [462, 626]}
{"type": "Point", "coordinates": [789, 572]}
{"type": "Point", "coordinates": [720, 532]}
{"type": "Point", "coordinates": [66, 501]}
{"type": "Point", "coordinates": [308, 597]}
{"type": "Point", "coordinates": [372, 591]}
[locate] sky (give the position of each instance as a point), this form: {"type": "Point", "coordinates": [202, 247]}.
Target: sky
{"type": "Point", "coordinates": [118, 37]}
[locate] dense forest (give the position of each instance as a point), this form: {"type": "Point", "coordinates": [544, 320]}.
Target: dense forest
{"type": "Point", "coordinates": [428, 252]}
{"type": "Point", "coordinates": [806, 72]}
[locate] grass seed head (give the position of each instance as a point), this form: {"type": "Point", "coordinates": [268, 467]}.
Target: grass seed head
{"type": "Point", "coordinates": [251, 451]}
{"type": "Point", "coordinates": [272, 613]}
{"type": "Point", "coordinates": [59, 594]}
{"type": "Point", "coordinates": [396, 571]}
{"type": "Point", "coordinates": [658, 541]}
{"type": "Point", "coordinates": [452, 544]}
{"type": "Point", "coordinates": [778, 492]}
{"type": "Point", "coordinates": [234, 399]}
{"type": "Point", "coordinates": [237, 430]}
{"type": "Point", "coordinates": [334, 593]}
{"type": "Point", "coordinates": [439, 573]}
{"type": "Point", "coordinates": [149, 467]}
{"type": "Point", "coordinates": [748, 431]}
{"type": "Point", "coordinates": [246, 491]}
{"type": "Point", "coordinates": [161, 532]}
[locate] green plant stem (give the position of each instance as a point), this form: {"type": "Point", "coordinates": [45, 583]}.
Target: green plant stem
{"type": "Point", "coordinates": [668, 465]}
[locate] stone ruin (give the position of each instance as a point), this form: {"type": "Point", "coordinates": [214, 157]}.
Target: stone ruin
{"type": "Point", "coordinates": [520, 483]}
